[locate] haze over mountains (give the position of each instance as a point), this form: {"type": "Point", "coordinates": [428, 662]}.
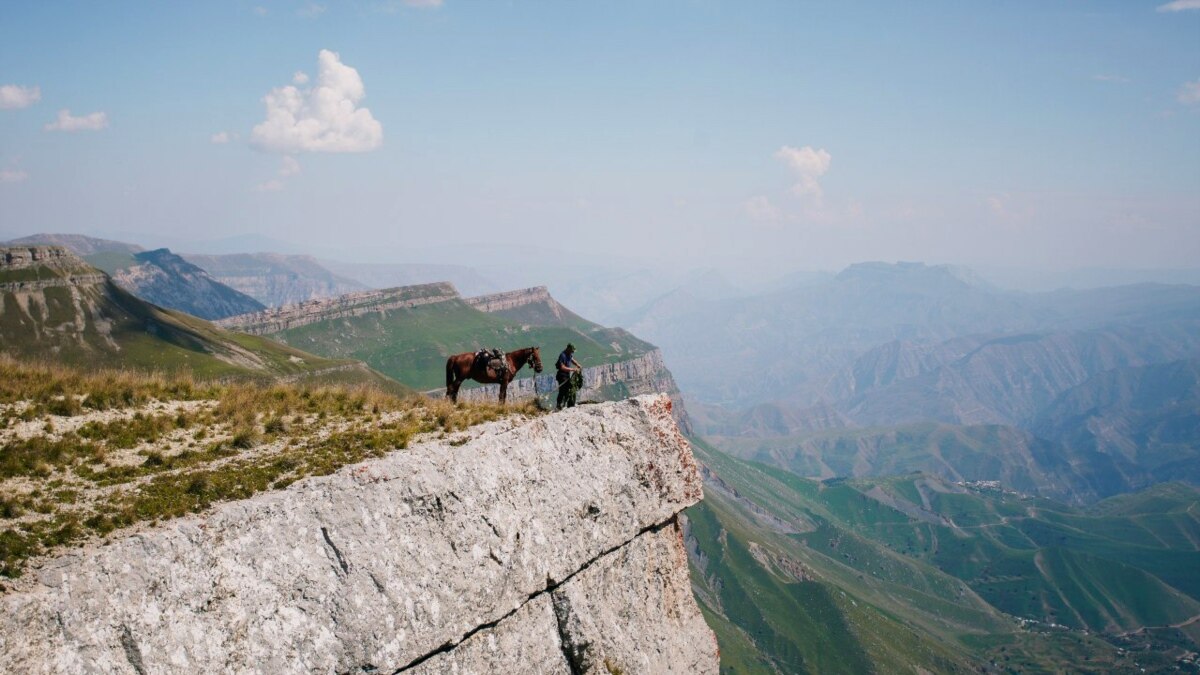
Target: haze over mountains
{"type": "Point", "coordinates": [903, 460]}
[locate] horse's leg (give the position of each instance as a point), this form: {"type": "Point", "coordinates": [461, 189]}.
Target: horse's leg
{"type": "Point", "coordinates": [503, 390]}
{"type": "Point", "coordinates": [452, 389]}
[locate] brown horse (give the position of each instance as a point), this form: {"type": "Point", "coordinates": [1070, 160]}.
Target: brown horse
{"type": "Point", "coordinates": [462, 367]}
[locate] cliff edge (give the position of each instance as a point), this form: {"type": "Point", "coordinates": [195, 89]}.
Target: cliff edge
{"type": "Point", "coordinates": [539, 545]}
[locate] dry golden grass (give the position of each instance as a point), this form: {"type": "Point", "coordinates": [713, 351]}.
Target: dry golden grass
{"type": "Point", "coordinates": [146, 461]}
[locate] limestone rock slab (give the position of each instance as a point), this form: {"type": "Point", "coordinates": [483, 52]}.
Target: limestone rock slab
{"type": "Point", "coordinates": [370, 568]}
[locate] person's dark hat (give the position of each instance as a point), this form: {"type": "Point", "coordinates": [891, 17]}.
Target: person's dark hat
{"type": "Point", "coordinates": [570, 347]}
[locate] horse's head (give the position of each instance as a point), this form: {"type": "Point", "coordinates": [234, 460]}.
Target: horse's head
{"type": "Point", "coordinates": [535, 358]}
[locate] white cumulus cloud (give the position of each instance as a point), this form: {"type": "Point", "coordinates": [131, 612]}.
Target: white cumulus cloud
{"type": "Point", "coordinates": [808, 165]}
{"type": "Point", "coordinates": [17, 96]}
{"type": "Point", "coordinates": [221, 137]}
{"type": "Point", "coordinates": [1189, 93]}
{"type": "Point", "coordinates": [67, 122]}
{"type": "Point", "coordinates": [12, 175]}
{"type": "Point", "coordinates": [1179, 6]}
{"type": "Point", "coordinates": [300, 78]}
{"type": "Point", "coordinates": [322, 118]}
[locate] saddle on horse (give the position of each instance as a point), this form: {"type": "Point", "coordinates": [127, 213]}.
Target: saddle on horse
{"type": "Point", "coordinates": [493, 359]}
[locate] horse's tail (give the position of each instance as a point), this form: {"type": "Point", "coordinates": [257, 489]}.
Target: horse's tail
{"type": "Point", "coordinates": [449, 371]}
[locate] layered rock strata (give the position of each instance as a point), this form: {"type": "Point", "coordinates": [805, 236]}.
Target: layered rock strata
{"type": "Point", "coordinates": [543, 545]}
{"type": "Point", "coordinates": [279, 319]}
{"type": "Point", "coordinates": [23, 269]}
{"type": "Point", "coordinates": [497, 302]}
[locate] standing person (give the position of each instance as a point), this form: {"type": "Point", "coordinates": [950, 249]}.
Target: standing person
{"type": "Point", "coordinates": [564, 368]}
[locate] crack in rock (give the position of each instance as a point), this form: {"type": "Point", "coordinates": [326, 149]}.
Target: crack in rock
{"type": "Point", "coordinates": [337, 554]}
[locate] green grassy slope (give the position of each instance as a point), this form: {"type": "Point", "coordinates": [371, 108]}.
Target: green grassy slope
{"type": "Point", "coordinates": [411, 345]}
{"type": "Point", "coordinates": [100, 325]}
{"type": "Point", "coordinates": [914, 572]}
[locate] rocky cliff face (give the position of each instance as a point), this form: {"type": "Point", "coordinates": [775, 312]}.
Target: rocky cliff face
{"type": "Point", "coordinates": [496, 302]}
{"type": "Point", "coordinates": [545, 545]}
{"type": "Point", "coordinates": [28, 269]}
{"type": "Point", "coordinates": [275, 279]}
{"type": "Point", "coordinates": [169, 281]}
{"type": "Point", "coordinates": [279, 319]}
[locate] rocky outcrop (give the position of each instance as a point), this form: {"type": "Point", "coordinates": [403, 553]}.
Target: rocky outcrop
{"type": "Point", "coordinates": [169, 281]}
{"type": "Point", "coordinates": [496, 302]}
{"type": "Point", "coordinates": [26, 269]}
{"type": "Point", "coordinates": [279, 319]}
{"type": "Point", "coordinates": [544, 545]}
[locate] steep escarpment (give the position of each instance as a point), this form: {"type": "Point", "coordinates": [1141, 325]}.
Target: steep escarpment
{"type": "Point", "coordinates": [275, 279]}
{"type": "Point", "coordinates": [279, 319]}
{"type": "Point", "coordinates": [548, 545]}
{"type": "Point", "coordinates": [168, 280]}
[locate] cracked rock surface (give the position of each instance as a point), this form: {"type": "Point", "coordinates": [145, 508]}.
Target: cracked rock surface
{"type": "Point", "coordinates": [510, 552]}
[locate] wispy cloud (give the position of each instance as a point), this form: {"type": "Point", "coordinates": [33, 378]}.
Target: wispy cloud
{"type": "Point", "coordinates": [17, 96]}
{"type": "Point", "coordinates": [289, 166]}
{"type": "Point", "coordinates": [221, 137]}
{"type": "Point", "coordinates": [760, 208]}
{"type": "Point", "coordinates": [393, 6]}
{"type": "Point", "coordinates": [311, 11]}
{"type": "Point", "coordinates": [321, 118]}
{"type": "Point", "coordinates": [67, 122]}
{"type": "Point", "coordinates": [261, 11]}
{"type": "Point", "coordinates": [1189, 93]}
{"type": "Point", "coordinates": [1179, 6]}
{"type": "Point", "coordinates": [12, 175]}
{"type": "Point", "coordinates": [808, 164]}
{"type": "Point", "coordinates": [1119, 79]}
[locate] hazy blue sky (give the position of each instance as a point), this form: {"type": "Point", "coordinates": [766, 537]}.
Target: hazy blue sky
{"type": "Point", "coordinates": [808, 134]}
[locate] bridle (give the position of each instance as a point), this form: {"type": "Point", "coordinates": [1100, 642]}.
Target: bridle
{"type": "Point", "coordinates": [534, 361]}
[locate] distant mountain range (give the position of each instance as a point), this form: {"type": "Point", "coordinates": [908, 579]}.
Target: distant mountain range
{"type": "Point", "coordinates": [275, 279]}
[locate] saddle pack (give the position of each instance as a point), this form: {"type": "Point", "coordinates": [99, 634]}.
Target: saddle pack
{"type": "Point", "coordinates": [493, 359]}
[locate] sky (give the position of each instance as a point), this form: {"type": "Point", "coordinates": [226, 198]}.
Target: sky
{"type": "Point", "coordinates": [792, 134]}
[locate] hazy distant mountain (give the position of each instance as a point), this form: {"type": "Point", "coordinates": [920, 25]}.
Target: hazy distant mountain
{"type": "Point", "coordinates": [167, 280]}
{"type": "Point", "coordinates": [275, 279]}
{"type": "Point", "coordinates": [80, 245]}
{"type": "Point", "coordinates": [789, 345]}
{"type": "Point", "coordinates": [798, 345]}
{"type": "Point", "coordinates": [467, 280]}
{"type": "Point", "coordinates": [1008, 379]}
{"type": "Point", "coordinates": [1147, 416]}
